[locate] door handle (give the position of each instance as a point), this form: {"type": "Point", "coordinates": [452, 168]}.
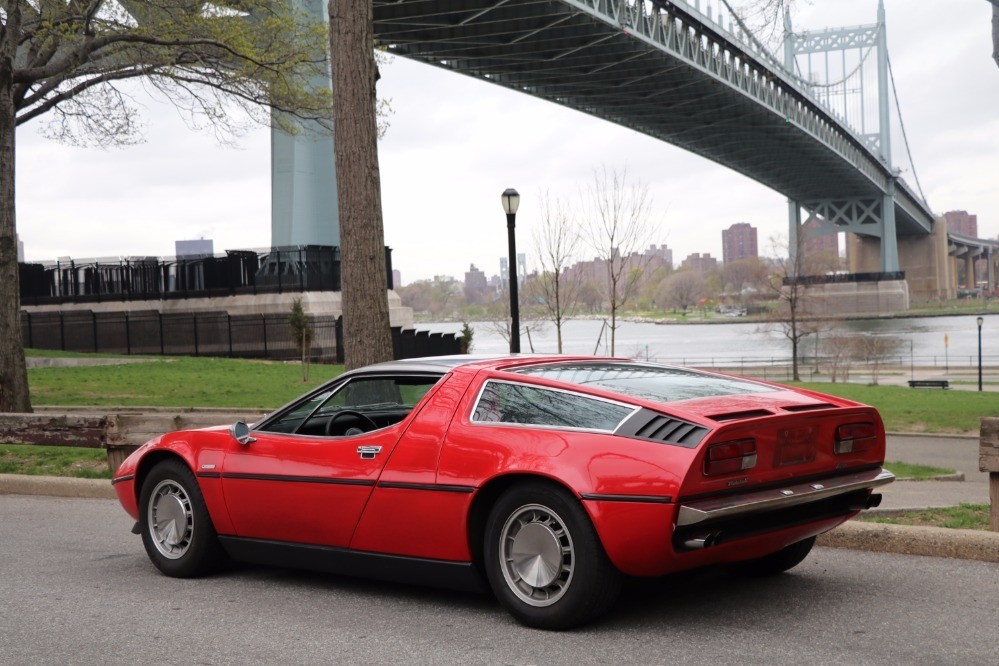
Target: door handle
{"type": "Point", "coordinates": [369, 452]}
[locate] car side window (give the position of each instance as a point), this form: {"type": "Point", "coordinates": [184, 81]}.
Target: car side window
{"type": "Point", "coordinates": [291, 420]}
{"type": "Point", "coordinates": [508, 402]}
{"type": "Point", "coordinates": [362, 404]}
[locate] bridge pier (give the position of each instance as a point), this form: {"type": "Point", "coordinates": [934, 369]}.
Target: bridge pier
{"type": "Point", "coordinates": [924, 259]}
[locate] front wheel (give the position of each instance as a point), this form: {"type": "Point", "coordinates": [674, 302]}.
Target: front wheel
{"type": "Point", "coordinates": [176, 530]}
{"type": "Point", "coordinates": [779, 562]}
{"type": "Point", "coordinates": [544, 560]}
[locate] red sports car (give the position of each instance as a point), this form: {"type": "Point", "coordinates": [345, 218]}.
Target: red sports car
{"type": "Point", "coordinates": [546, 478]}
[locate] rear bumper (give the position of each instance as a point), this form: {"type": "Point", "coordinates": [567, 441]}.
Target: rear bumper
{"type": "Point", "coordinates": [776, 499]}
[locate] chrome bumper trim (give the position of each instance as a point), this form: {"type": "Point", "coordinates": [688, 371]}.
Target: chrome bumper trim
{"type": "Point", "coordinates": [780, 498]}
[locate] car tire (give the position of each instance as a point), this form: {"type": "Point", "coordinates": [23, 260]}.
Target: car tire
{"type": "Point", "coordinates": [779, 562]}
{"type": "Point", "coordinates": [176, 529]}
{"type": "Point", "coordinates": [544, 560]}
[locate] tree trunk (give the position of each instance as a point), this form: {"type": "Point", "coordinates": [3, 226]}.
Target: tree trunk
{"type": "Point", "coordinates": [367, 332]}
{"type": "Point", "coordinates": [13, 374]}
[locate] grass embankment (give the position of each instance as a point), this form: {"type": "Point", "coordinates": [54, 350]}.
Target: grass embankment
{"type": "Point", "coordinates": [54, 461]}
{"type": "Point", "coordinates": [919, 410]}
{"type": "Point", "coordinates": [177, 382]}
{"type": "Point", "coordinates": [903, 470]}
{"type": "Point", "coordinates": [962, 517]}
{"type": "Point", "coordinates": [156, 382]}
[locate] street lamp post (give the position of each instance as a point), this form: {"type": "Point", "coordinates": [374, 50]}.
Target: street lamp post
{"type": "Point", "coordinates": [511, 201]}
{"type": "Point", "coordinates": [980, 322]}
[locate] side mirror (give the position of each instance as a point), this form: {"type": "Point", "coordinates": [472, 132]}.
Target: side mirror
{"type": "Point", "coordinates": [241, 433]}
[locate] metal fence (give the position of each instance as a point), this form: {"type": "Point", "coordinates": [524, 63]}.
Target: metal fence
{"type": "Point", "coordinates": [276, 270]}
{"type": "Point", "coordinates": [208, 334]}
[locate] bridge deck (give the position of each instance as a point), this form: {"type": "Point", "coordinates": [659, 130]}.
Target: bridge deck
{"type": "Point", "coordinates": [672, 78]}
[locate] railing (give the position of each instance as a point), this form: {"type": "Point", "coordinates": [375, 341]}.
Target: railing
{"type": "Point", "coordinates": [237, 272]}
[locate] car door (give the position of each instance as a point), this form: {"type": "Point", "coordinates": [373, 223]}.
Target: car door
{"type": "Point", "coordinates": [307, 474]}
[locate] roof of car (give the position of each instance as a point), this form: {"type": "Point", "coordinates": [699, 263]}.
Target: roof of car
{"type": "Point", "coordinates": [447, 363]}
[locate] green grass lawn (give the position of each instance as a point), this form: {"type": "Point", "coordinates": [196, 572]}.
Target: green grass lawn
{"type": "Point", "coordinates": [179, 381]}
{"type": "Point", "coordinates": [54, 461]}
{"type": "Point", "coordinates": [919, 410]}
{"type": "Point", "coordinates": [903, 470]}
{"type": "Point", "coordinates": [963, 517]}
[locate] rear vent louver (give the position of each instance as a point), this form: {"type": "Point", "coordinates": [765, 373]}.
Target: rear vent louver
{"type": "Point", "coordinates": [808, 408]}
{"type": "Point", "coordinates": [738, 416]}
{"type": "Point", "coordinates": [655, 427]}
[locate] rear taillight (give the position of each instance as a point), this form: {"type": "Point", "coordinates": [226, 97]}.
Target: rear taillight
{"type": "Point", "coordinates": [727, 457]}
{"type": "Point", "coordinates": [855, 438]}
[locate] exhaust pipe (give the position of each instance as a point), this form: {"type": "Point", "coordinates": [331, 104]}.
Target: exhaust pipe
{"type": "Point", "coordinates": [702, 541]}
{"type": "Point", "coordinates": [873, 501]}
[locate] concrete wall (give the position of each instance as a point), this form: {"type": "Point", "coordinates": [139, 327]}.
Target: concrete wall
{"type": "Point", "coordinates": [313, 302]}
{"type": "Point", "coordinates": [856, 297]}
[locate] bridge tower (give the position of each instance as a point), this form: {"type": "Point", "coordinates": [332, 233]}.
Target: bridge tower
{"type": "Point", "coordinates": [846, 53]}
{"type": "Point", "coordinates": [303, 174]}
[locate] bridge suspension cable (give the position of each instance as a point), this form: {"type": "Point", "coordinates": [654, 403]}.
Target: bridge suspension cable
{"type": "Point", "coordinates": [905, 136]}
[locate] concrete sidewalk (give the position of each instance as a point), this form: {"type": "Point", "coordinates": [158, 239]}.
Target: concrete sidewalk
{"type": "Point", "coordinates": [959, 453]}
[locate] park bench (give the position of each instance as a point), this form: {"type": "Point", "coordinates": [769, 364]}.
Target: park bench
{"type": "Point", "coordinates": [929, 383]}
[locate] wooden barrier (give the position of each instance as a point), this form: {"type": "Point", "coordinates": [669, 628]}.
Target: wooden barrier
{"type": "Point", "coordinates": [86, 430]}
{"type": "Point", "coordinates": [119, 433]}
{"type": "Point", "coordinates": [988, 461]}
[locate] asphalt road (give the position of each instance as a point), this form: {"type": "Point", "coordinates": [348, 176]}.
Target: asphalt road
{"type": "Point", "coordinates": [76, 587]}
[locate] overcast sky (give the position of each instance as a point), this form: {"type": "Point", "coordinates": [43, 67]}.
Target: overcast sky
{"type": "Point", "coordinates": [456, 143]}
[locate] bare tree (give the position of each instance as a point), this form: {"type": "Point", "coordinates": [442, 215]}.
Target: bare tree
{"type": "Point", "coordinates": [618, 227]}
{"type": "Point", "coordinates": [66, 61]}
{"type": "Point", "coordinates": [838, 348]}
{"type": "Point", "coordinates": [301, 334]}
{"type": "Point", "coordinates": [683, 290]}
{"type": "Point", "coordinates": [876, 350]}
{"type": "Point", "coordinates": [791, 293]}
{"type": "Point", "coordinates": [556, 242]}
{"type": "Point", "coordinates": [367, 332]}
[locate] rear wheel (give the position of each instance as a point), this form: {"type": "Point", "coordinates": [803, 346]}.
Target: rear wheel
{"type": "Point", "coordinates": [779, 562]}
{"type": "Point", "coordinates": [176, 530]}
{"type": "Point", "coordinates": [544, 560]}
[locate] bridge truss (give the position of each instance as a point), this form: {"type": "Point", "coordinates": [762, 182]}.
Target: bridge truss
{"type": "Point", "coordinates": [671, 71]}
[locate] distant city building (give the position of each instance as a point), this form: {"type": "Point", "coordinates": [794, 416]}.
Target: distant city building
{"type": "Point", "coordinates": [396, 278]}
{"type": "Point", "coordinates": [203, 247]}
{"type": "Point", "coordinates": [20, 249]}
{"type": "Point", "coordinates": [659, 255]}
{"type": "Point", "coordinates": [962, 222]}
{"type": "Point", "coordinates": [739, 242]}
{"type": "Point", "coordinates": [476, 285]}
{"type": "Point", "coordinates": [702, 263]}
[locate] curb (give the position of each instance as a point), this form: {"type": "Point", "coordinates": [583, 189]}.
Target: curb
{"type": "Point", "coordinates": [957, 476]}
{"type": "Point", "coordinates": [912, 540]}
{"type": "Point", "coordinates": [56, 486]}
{"type": "Point", "coordinates": [931, 435]}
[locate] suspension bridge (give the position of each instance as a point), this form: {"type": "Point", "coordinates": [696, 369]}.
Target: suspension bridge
{"type": "Point", "coordinates": [812, 119]}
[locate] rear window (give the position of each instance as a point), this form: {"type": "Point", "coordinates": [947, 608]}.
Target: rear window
{"type": "Point", "coordinates": [506, 402]}
{"type": "Point", "coordinates": [648, 382]}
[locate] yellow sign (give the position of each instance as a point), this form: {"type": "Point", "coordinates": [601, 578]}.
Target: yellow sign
{"type": "Point", "coordinates": [946, 341]}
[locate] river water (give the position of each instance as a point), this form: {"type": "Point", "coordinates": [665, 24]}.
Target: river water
{"type": "Point", "coordinates": [934, 340]}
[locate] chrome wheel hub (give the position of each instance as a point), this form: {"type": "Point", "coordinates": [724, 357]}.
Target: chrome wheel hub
{"type": "Point", "coordinates": [170, 519]}
{"type": "Point", "coordinates": [537, 555]}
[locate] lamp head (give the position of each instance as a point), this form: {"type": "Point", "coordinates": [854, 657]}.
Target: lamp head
{"type": "Point", "coordinates": [511, 201]}
{"type": "Point", "coordinates": [981, 320]}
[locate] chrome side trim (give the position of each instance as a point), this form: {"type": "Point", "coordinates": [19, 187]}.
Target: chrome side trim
{"type": "Point", "coordinates": [779, 498]}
